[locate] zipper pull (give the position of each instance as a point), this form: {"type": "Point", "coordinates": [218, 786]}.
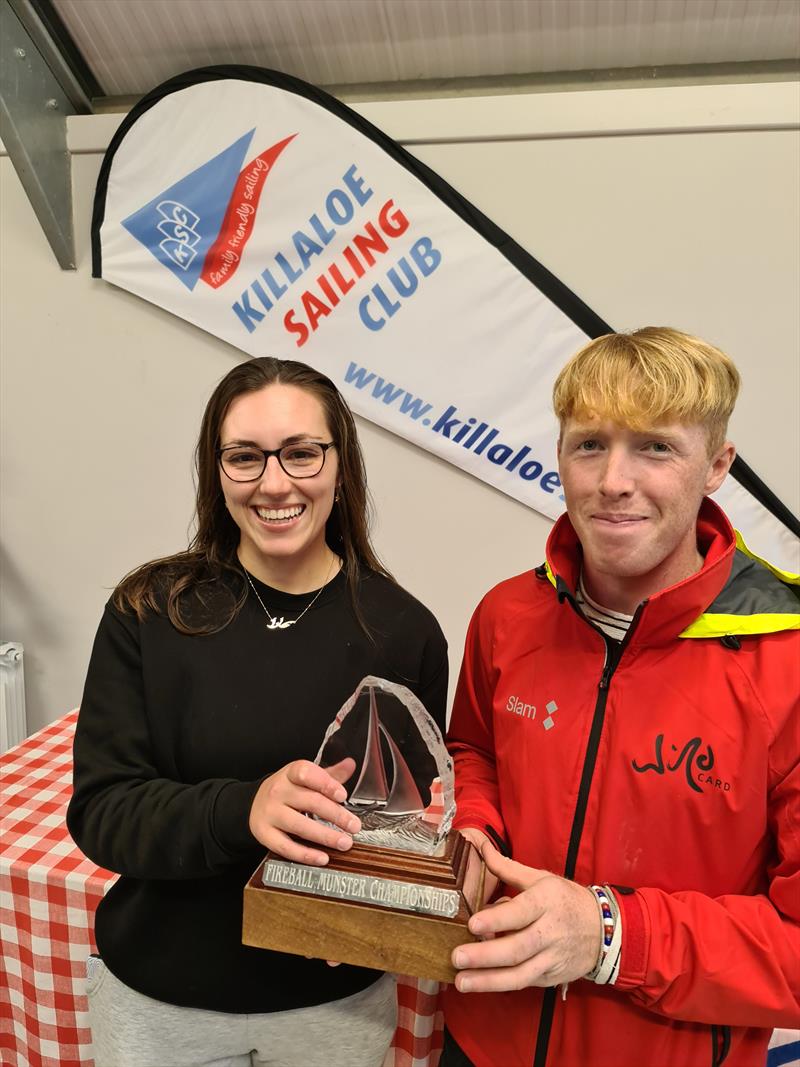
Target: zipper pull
{"type": "Point", "coordinates": [604, 677]}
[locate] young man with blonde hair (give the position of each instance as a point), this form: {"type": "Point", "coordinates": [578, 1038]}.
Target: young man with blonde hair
{"type": "Point", "coordinates": [626, 730]}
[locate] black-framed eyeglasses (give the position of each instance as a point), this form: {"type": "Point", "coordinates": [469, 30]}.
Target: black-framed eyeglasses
{"type": "Point", "coordinates": [246, 463]}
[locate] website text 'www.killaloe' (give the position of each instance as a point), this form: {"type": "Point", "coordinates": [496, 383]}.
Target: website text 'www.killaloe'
{"type": "Point", "coordinates": [473, 434]}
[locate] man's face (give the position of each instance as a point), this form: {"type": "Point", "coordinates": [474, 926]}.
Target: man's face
{"type": "Point", "coordinates": [633, 498]}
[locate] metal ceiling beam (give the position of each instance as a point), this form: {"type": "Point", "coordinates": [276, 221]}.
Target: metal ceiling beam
{"type": "Point", "coordinates": [38, 90]}
{"type": "Point", "coordinates": [769, 70]}
{"type": "Point", "coordinates": [58, 50]}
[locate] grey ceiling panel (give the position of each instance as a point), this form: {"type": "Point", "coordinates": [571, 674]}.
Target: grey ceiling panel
{"type": "Point", "coordinates": [132, 45]}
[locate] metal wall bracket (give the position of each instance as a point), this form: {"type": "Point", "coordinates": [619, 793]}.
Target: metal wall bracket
{"type": "Point", "coordinates": [33, 123]}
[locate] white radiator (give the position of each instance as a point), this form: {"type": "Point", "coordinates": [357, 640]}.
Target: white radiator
{"type": "Point", "coordinates": [12, 695]}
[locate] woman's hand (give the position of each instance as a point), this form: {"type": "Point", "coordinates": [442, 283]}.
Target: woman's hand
{"type": "Point", "coordinates": [279, 811]}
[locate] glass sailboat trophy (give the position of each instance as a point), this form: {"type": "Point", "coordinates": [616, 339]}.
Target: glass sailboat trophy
{"type": "Point", "coordinates": [402, 787]}
{"type": "Point", "coordinates": [396, 900]}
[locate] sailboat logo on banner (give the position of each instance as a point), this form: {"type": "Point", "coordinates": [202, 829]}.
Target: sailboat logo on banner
{"type": "Point", "coordinates": [198, 228]}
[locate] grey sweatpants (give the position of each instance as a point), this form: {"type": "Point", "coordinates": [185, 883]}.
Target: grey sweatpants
{"type": "Point", "coordinates": [132, 1030]}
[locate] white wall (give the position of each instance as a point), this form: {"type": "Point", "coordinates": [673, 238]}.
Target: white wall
{"type": "Point", "coordinates": [657, 206]}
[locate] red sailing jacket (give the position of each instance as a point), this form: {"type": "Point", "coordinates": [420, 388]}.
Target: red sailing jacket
{"type": "Point", "coordinates": [671, 774]}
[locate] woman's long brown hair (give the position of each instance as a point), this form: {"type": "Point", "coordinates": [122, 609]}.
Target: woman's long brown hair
{"type": "Point", "coordinates": [189, 580]}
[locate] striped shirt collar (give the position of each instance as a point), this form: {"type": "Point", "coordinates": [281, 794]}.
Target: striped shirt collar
{"type": "Point", "coordinates": [614, 624]}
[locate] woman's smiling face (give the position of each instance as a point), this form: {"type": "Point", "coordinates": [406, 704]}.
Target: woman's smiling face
{"type": "Point", "coordinates": [280, 519]}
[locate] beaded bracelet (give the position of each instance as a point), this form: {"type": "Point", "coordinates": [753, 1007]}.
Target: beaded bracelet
{"type": "Point", "coordinates": [607, 967]}
{"type": "Point", "coordinates": [606, 915]}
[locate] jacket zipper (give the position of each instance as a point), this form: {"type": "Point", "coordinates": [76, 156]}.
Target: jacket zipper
{"type": "Point", "coordinates": [610, 664]}
{"type": "Point", "coordinates": [720, 1044]}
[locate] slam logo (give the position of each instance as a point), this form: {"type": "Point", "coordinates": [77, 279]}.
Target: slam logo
{"type": "Point", "coordinates": [198, 228]}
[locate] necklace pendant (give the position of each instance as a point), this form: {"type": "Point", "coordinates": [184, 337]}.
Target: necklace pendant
{"type": "Point", "coordinates": [280, 624]}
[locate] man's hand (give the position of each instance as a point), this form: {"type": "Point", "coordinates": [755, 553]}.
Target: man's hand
{"type": "Point", "coordinates": [475, 870]}
{"type": "Point", "coordinates": [278, 813]}
{"type": "Point", "coordinates": [547, 935]}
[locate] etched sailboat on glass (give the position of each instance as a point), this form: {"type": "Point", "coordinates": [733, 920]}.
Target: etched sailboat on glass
{"type": "Point", "coordinates": [372, 791]}
{"type": "Point", "coordinates": [402, 785]}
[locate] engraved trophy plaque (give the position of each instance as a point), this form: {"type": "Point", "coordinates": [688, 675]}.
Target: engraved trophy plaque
{"type": "Point", "coordinates": [396, 900]}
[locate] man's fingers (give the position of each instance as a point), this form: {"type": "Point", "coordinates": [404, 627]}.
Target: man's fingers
{"type": "Point", "coordinates": [474, 880]}
{"type": "Point", "coordinates": [475, 836]}
{"type": "Point", "coordinates": [534, 972]}
{"type": "Point", "coordinates": [509, 871]}
{"type": "Point", "coordinates": [506, 951]}
{"type": "Point", "coordinates": [506, 915]}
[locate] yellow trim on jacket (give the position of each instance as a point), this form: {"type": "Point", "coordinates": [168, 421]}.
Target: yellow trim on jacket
{"type": "Point", "coordinates": [711, 624]}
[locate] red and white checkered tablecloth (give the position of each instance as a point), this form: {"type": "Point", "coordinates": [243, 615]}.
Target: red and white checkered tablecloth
{"type": "Point", "coordinates": [48, 894]}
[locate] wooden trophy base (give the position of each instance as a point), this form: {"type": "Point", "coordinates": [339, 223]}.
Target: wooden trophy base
{"type": "Point", "coordinates": [356, 931]}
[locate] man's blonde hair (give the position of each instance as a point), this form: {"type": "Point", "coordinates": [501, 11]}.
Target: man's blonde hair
{"type": "Point", "coordinates": [648, 377]}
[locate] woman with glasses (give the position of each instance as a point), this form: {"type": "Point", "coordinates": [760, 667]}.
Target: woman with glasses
{"type": "Point", "coordinates": [214, 675]}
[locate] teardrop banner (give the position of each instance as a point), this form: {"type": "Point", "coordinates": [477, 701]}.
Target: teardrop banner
{"type": "Point", "coordinates": [266, 212]}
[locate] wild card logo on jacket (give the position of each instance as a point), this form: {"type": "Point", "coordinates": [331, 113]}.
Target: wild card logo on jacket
{"type": "Point", "coordinates": [199, 226]}
{"type": "Point", "coordinates": [696, 765]}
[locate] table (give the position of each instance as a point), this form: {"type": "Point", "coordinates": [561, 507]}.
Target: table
{"type": "Point", "coordinates": [48, 895]}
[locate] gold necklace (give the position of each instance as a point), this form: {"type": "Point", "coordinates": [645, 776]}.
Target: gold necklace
{"type": "Point", "coordinates": [283, 623]}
